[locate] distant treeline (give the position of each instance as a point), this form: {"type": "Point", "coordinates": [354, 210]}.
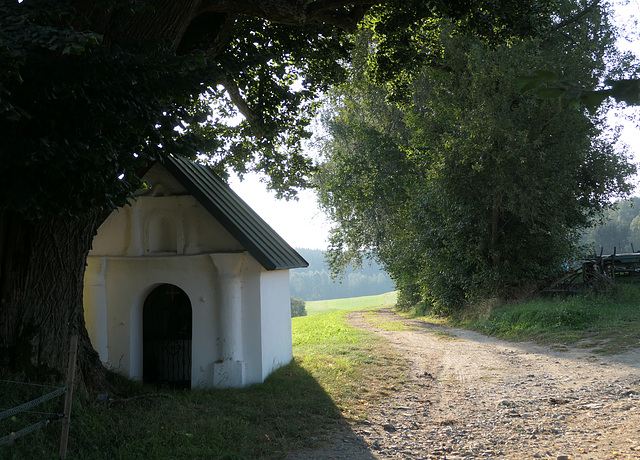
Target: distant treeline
{"type": "Point", "coordinates": [315, 283]}
{"type": "Point", "coordinates": [620, 230]}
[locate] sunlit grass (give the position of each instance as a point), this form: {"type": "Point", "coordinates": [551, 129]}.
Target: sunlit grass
{"type": "Point", "coordinates": [354, 366]}
{"type": "Point", "coordinates": [372, 317]}
{"type": "Point", "coordinates": [443, 335]}
{"type": "Point", "coordinates": [610, 323]}
{"type": "Point", "coordinates": [323, 306]}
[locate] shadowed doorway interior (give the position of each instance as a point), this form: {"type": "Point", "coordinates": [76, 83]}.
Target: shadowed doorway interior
{"type": "Point", "coordinates": [166, 337]}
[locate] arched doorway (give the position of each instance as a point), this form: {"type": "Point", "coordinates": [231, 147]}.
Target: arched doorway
{"type": "Point", "coordinates": [166, 337]}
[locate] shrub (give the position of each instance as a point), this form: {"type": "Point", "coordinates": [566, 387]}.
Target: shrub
{"type": "Point", "coordinates": [298, 307]}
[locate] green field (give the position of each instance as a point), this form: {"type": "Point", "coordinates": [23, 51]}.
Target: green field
{"type": "Point", "coordinates": [315, 307]}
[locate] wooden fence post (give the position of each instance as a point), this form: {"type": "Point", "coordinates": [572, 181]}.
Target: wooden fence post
{"type": "Point", "coordinates": [71, 375]}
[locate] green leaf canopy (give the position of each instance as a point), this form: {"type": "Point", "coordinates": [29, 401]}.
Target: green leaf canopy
{"type": "Point", "coordinates": [468, 187]}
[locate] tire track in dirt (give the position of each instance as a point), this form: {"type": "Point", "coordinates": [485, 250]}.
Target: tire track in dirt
{"type": "Point", "coordinates": [472, 396]}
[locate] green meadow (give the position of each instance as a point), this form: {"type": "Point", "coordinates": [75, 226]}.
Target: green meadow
{"type": "Point", "coordinates": [316, 307]}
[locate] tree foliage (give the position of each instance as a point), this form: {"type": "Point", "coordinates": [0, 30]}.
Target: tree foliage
{"type": "Point", "coordinates": [90, 95]}
{"type": "Point", "coordinates": [621, 83]}
{"type": "Point", "coordinates": [93, 92]}
{"type": "Point", "coordinates": [469, 187]}
{"type": "Point", "coordinates": [298, 307]}
{"type": "Point", "coordinates": [110, 110]}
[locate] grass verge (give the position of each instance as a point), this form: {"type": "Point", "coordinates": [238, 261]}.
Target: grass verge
{"type": "Point", "coordinates": [606, 323]}
{"type": "Point", "coordinates": [355, 367]}
{"type": "Point", "coordinates": [337, 373]}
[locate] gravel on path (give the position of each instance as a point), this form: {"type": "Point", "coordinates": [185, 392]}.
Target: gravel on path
{"type": "Point", "coordinates": [472, 396]}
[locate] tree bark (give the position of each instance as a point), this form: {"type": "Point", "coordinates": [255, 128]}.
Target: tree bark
{"type": "Point", "coordinates": [42, 265]}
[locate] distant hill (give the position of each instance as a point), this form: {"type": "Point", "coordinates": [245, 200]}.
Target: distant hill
{"type": "Point", "coordinates": [315, 283]}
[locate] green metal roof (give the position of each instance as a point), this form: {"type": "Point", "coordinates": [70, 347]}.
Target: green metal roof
{"type": "Point", "coordinates": [236, 216]}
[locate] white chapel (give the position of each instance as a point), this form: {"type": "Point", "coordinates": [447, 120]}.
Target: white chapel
{"type": "Point", "coordinates": [188, 286]}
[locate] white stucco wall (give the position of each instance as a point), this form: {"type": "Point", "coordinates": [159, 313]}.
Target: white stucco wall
{"type": "Point", "coordinates": [138, 230]}
{"type": "Point", "coordinates": [241, 327]}
{"type": "Point", "coordinates": [252, 333]}
{"type": "Point", "coordinates": [130, 280]}
{"type": "Point", "coordinates": [276, 320]}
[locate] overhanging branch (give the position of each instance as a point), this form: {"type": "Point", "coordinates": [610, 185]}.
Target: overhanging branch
{"type": "Point", "coordinates": [254, 120]}
{"type": "Point", "coordinates": [594, 4]}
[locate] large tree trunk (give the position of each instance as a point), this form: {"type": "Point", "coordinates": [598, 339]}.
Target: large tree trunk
{"type": "Point", "coordinates": [42, 266]}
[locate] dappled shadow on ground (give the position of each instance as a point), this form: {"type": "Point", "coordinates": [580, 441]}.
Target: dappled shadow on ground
{"type": "Point", "coordinates": [289, 414]}
{"type": "Point", "coordinates": [323, 432]}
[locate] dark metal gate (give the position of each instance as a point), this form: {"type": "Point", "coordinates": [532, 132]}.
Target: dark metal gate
{"type": "Point", "coordinates": [166, 337]}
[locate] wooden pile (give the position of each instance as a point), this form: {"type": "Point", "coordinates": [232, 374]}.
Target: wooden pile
{"type": "Point", "coordinates": [597, 273]}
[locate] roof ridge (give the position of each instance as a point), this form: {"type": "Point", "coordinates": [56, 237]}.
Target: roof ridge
{"type": "Point", "coordinates": [234, 214]}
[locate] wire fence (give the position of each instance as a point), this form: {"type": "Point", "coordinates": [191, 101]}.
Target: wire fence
{"type": "Point", "coordinates": [18, 391]}
{"type": "Point", "coordinates": [15, 405]}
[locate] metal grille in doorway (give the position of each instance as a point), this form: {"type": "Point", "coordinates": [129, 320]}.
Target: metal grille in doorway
{"type": "Point", "coordinates": [167, 346]}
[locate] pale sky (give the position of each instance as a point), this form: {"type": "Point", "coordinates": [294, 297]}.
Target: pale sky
{"type": "Point", "coordinates": [303, 225]}
{"type": "Point", "coordinates": [300, 223]}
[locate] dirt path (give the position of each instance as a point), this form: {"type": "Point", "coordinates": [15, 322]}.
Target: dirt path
{"type": "Point", "coordinates": [471, 396]}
